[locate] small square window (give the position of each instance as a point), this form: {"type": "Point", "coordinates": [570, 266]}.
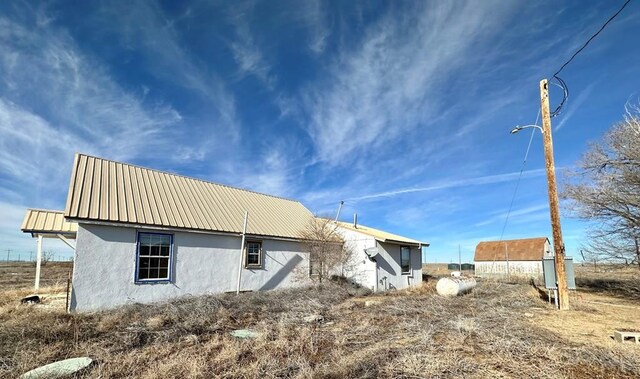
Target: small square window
{"type": "Point", "coordinates": [253, 254]}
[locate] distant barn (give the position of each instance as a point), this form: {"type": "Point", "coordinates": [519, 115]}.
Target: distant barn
{"type": "Point", "coordinates": [521, 257]}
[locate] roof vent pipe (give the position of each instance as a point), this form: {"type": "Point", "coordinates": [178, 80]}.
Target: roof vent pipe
{"type": "Point", "coordinates": [355, 220]}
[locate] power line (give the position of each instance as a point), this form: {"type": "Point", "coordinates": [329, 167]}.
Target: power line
{"type": "Point", "coordinates": [515, 192]}
{"type": "Point", "coordinates": [592, 37]}
{"type": "Point", "coordinates": [555, 76]}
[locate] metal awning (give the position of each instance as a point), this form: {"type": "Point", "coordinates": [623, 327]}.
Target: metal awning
{"type": "Point", "coordinates": [42, 223]}
{"type": "Point", "coordinates": [48, 223]}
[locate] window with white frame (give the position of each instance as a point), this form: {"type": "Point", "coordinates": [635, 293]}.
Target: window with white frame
{"type": "Point", "coordinates": [253, 254]}
{"type": "Point", "coordinates": [154, 257]}
{"type": "Point", "coordinates": [405, 260]}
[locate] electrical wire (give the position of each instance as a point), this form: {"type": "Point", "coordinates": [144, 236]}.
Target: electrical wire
{"type": "Point", "coordinates": [555, 76]}
{"type": "Point", "coordinates": [592, 37]}
{"type": "Point", "coordinates": [515, 192]}
{"type": "Point", "coordinates": [524, 163]}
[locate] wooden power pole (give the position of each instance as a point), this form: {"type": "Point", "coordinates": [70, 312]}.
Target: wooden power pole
{"type": "Point", "coordinates": [558, 244]}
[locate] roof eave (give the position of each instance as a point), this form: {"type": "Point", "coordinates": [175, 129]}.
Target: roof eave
{"type": "Point", "coordinates": [178, 229]}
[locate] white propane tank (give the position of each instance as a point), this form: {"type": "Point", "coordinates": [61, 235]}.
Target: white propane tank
{"type": "Point", "coordinates": [454, 286]}
{"type": "Point", "coordinates": [456, 274]}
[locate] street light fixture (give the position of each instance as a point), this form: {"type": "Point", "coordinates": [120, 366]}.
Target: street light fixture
{"type": "Point", "coordinates": [519, 128]}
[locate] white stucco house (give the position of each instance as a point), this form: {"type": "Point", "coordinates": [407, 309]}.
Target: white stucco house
{"type": "Point", "coordinates": [519, 257]}
{"type": "Point", "coordinates": [144, 235]}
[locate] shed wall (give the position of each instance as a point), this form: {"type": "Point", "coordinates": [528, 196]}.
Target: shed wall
{"type": "Point", "coordinates": [105, 258]}
{"type": "Point", "coordinates": [387, 263]}
{"type": "Point", "coordinates": [532, 269]}
{"type": "Point", "coordinates": [389, 271]}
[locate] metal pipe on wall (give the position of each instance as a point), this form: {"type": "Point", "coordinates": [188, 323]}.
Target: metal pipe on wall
{"type": "Point", "coordinates": [244, 233]}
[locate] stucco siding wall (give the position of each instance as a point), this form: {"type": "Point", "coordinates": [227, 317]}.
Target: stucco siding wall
{"type": "Point", "coordinates": [531, 269]}
{"type": "Point", "coordinates": [361, 269]}
{"type": "Point", "coordinates": [104, 272]}
{"type": "Point", "coordinates": [389, 271]}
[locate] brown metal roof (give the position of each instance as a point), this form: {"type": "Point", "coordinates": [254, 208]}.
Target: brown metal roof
{"type": "Point", "coordinates": [109, 191]}
{"type": "Point", "coordinates": [527, 249]}
{"type": "Point", "coordinates": [41, 221]}
{"type": "Point", "coordinates": [381, 235]}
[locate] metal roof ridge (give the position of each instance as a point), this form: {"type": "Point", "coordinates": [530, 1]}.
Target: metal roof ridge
{"type": "Point", "coordinates": [191, 178]}
{"type": "Point", "coordinates": [45, 210]}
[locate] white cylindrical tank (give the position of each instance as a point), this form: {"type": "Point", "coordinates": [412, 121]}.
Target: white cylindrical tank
{"type": "Point", "coordinates": [455, 286]}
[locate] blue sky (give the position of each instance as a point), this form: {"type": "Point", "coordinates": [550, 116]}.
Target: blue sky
{"type": "Point", "coordinates": [402, 109]}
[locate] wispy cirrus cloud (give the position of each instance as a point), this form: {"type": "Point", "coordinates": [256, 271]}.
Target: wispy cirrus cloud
{"type": "Point", "coordinates": [143, 27]}
{"type": "Point", "coordinates": [518, 216]}
{"type": "Point", "coordinates": [447, 184]}
{"type": "Point", "coordinates": [574, 106]}
{"type": "Point", "coordinates": [54, 101]}
{"type": "Point", "coordinates": [387, 83]}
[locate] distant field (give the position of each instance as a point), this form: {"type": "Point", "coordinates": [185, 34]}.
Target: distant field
{"type": "Point", "coordinates": [500, 330]}
{"type": "Point", "coordinates": [18, 275]}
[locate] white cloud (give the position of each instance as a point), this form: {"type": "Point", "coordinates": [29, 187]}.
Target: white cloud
{"type": "Point", "coordinates": [248, 54]}
{"type": "Point", "coordinates": [528, 214]}
{"type": "Point", "coordinates": [388, 84]}
{"type": "Point", "coordinates": [56, 101]}
{"type": "Point", "coordinates": [319, 32]}
{"type": "Point", "coordinates": [143, 27]}
{"type": "Point", "coordinates": [572, 106]}
{"type": "Point", "coordinates": [451, 183]}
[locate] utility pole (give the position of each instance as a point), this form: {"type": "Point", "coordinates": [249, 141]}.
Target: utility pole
{"type": "Point", "coordinates": [554, 207]}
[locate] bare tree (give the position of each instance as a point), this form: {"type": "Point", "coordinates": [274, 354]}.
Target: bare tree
{"type": "Point", "coordinates": [606, 190]}
{"type": "Point", "coordinates": [329, 253]}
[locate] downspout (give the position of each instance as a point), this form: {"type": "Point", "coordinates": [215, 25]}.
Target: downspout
{"type": "Point", "coordinates": [241, 260]}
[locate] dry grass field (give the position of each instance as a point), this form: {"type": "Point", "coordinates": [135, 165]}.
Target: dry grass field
{"type": "Point", "coordinates": [500, 330]}
{"type": "Point", "coordinates": [18, 275]}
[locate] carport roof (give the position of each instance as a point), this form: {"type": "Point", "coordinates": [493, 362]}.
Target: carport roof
{"type": "Point", "coordinates": [48, 222]}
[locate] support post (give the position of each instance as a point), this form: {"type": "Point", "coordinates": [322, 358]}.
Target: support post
{"type": "Point", "coordinates": [66, 241]}
{"type": "Point", "coordinates": [241, 260]}
{"type": "Point", "coordinates": [38, 261]}
{"type": "Point", "coordinates": [554, 207]}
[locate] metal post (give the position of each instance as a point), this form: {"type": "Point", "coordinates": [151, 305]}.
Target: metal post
{"type": "Point", "coordinates": [38, 261]}
{"type": "Point", "coordinates": [66, 307]}
{"type": "Point", "coordinates": [244, 232]}
{"type": "Point", "coordinates": [554, 207]}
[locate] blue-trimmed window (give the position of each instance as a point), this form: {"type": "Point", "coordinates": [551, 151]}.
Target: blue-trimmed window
{"type": "Point", "coordinates": [153, 259]}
